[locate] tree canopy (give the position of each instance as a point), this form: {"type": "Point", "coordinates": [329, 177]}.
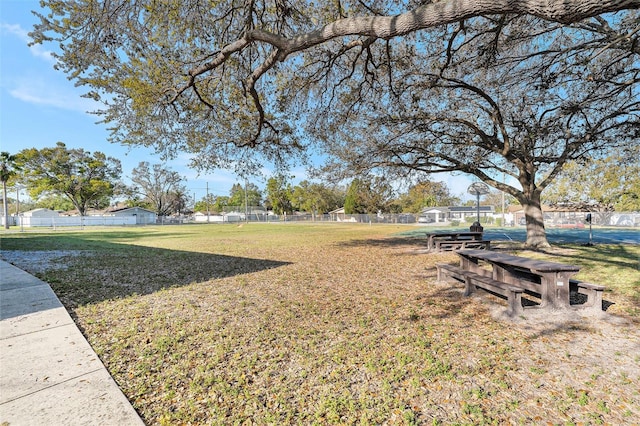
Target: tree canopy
{"type": "Point", "coordinates": [609, 183]}
{"type": "Point", "coordinates": [278, 195]}
{"type": "Point", "coordinates": [160, 188]}
{"type": "Point", "coordinates": [426, 194]}
{"type": "Point", "coordinates": [508, 96]}
{"type": "Point", "coordinates": [244, 196]}
{"type": "Point", "coordinates": [203, 77]}
{"type": "Point", "coordinates": [368, 195]}
{"type": "Point", "coordinates": [82, 177]}
{"type": "Point", "coordinates": [317, 198]}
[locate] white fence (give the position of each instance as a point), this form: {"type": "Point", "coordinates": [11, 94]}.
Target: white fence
{"type": "Point", "coordinates": [554, 219]}
{"type": "Point", "coordinates": [218, 218]}
{"type": "Point", "coordinates": [564, 219]}
{"type": "Point", "coordinates": [53, 222]}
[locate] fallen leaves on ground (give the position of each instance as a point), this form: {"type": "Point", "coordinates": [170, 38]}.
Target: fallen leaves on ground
{"type": "Point", "coordinates": [333, 326]}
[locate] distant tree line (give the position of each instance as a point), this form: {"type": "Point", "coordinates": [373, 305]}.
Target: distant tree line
{"type": "Point", "coordinates": [65, 179]}
{"type": "Point", "coordinates": [60, 178]}
{"type": "Point", "coordinates": [361, 196]}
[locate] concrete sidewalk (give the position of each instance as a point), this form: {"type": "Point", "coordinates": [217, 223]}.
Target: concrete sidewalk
{"type": "Point", "coordinates": [49, 375]}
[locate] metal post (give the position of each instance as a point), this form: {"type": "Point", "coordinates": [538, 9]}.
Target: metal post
{"type": "Point", "coordinates": [207, 202]}
{"type": "Point", "coordinates": [477, 189]}
{"type": "Point", "coordinates": [246, 201]}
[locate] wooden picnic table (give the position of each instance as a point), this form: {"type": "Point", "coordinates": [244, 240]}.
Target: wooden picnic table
{"type": "Point", "coordinates": [549, 279]}
{"type": "Point", "coordinates": [433, 238]}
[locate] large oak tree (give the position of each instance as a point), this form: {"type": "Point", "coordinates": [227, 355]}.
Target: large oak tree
{"type": "Point", "coordinates": [316, 197]}
{"type": "Point", "coordinates": [84, 178]}
{"type": "Point", "coordinates": [161, 188]}
{"type": "Point", "coordinates": [215, 78]}
{"type": "Point", "coordinates": [424, 194]}
{"type": "Point", "coordinates": [493, 97]}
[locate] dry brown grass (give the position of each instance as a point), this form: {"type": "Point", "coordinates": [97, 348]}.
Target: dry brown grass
{"type": "Point", "coordinates": [273, 324]}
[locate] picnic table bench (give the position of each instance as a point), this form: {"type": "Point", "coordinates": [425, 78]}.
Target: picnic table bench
{"type": "Point", "coordinates": [473, 280]}
{"type": "Point", "coordinates": [442, 241]}
{"type": "Point", "coordinates": [512, 276]}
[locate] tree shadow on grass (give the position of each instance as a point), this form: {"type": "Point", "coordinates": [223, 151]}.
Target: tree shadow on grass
{"type": "Point", "coordinates": [81, 271]}
{"type": "Point", "coordinates": [390, 242]}
{"type": "Point", "coordinates": [622, 255]}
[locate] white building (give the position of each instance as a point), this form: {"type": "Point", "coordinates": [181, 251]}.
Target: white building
{"type": "Point", "coordinates": [450, 213]}
{"type": "Point", "coordinates": [118, 217]}
{"type": "Point", "coordinates": [142, 216]}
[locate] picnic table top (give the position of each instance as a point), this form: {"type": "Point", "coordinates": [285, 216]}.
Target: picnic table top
{"type": "Point", "coordinates": [521, 262]}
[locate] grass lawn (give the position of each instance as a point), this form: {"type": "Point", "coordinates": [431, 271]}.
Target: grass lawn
{"type": "Point", "coordinates": [335, 324]}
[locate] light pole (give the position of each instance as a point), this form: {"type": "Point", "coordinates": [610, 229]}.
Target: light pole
{"type": "Point", "coordinates": [477, 189]}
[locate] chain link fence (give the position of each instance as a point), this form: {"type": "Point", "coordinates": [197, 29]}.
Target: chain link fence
{"type": "Point", "coordinates": [564, 219]}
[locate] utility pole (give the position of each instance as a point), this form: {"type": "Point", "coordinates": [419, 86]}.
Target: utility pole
{"type": "Point", "coordinates": [246, 201]}
{"type": "Point", "coordinates": [207, 202]}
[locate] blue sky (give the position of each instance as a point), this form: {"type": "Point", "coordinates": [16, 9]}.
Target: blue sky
{"type": "Point", "coordinates": [39, 106]}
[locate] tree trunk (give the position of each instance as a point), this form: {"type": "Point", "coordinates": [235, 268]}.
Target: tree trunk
{"type": "Point", "coordinates": [82, 208]}
{"type": "Point", "coordinates": [536, 234]}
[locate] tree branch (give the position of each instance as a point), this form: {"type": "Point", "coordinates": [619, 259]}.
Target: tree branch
{"type": "Point", "coordinates": [425, 16]}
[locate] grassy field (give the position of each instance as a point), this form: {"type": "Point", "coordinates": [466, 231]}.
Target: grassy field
{"type": "Point", "coordinates": [335, 324]}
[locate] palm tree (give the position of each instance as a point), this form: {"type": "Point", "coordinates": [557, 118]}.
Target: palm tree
{"type": "Point", "coordinates": [8, 168]}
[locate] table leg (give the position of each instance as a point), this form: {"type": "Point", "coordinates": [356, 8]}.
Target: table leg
{"type": "Point", "coordinates": [468, 264]}
{"type": "Point", "coordinates": [498, 273]}
{"type": "Point", "coordinates": [555, 289]}
{"type": "Point", "coordinates": [563, 291]}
